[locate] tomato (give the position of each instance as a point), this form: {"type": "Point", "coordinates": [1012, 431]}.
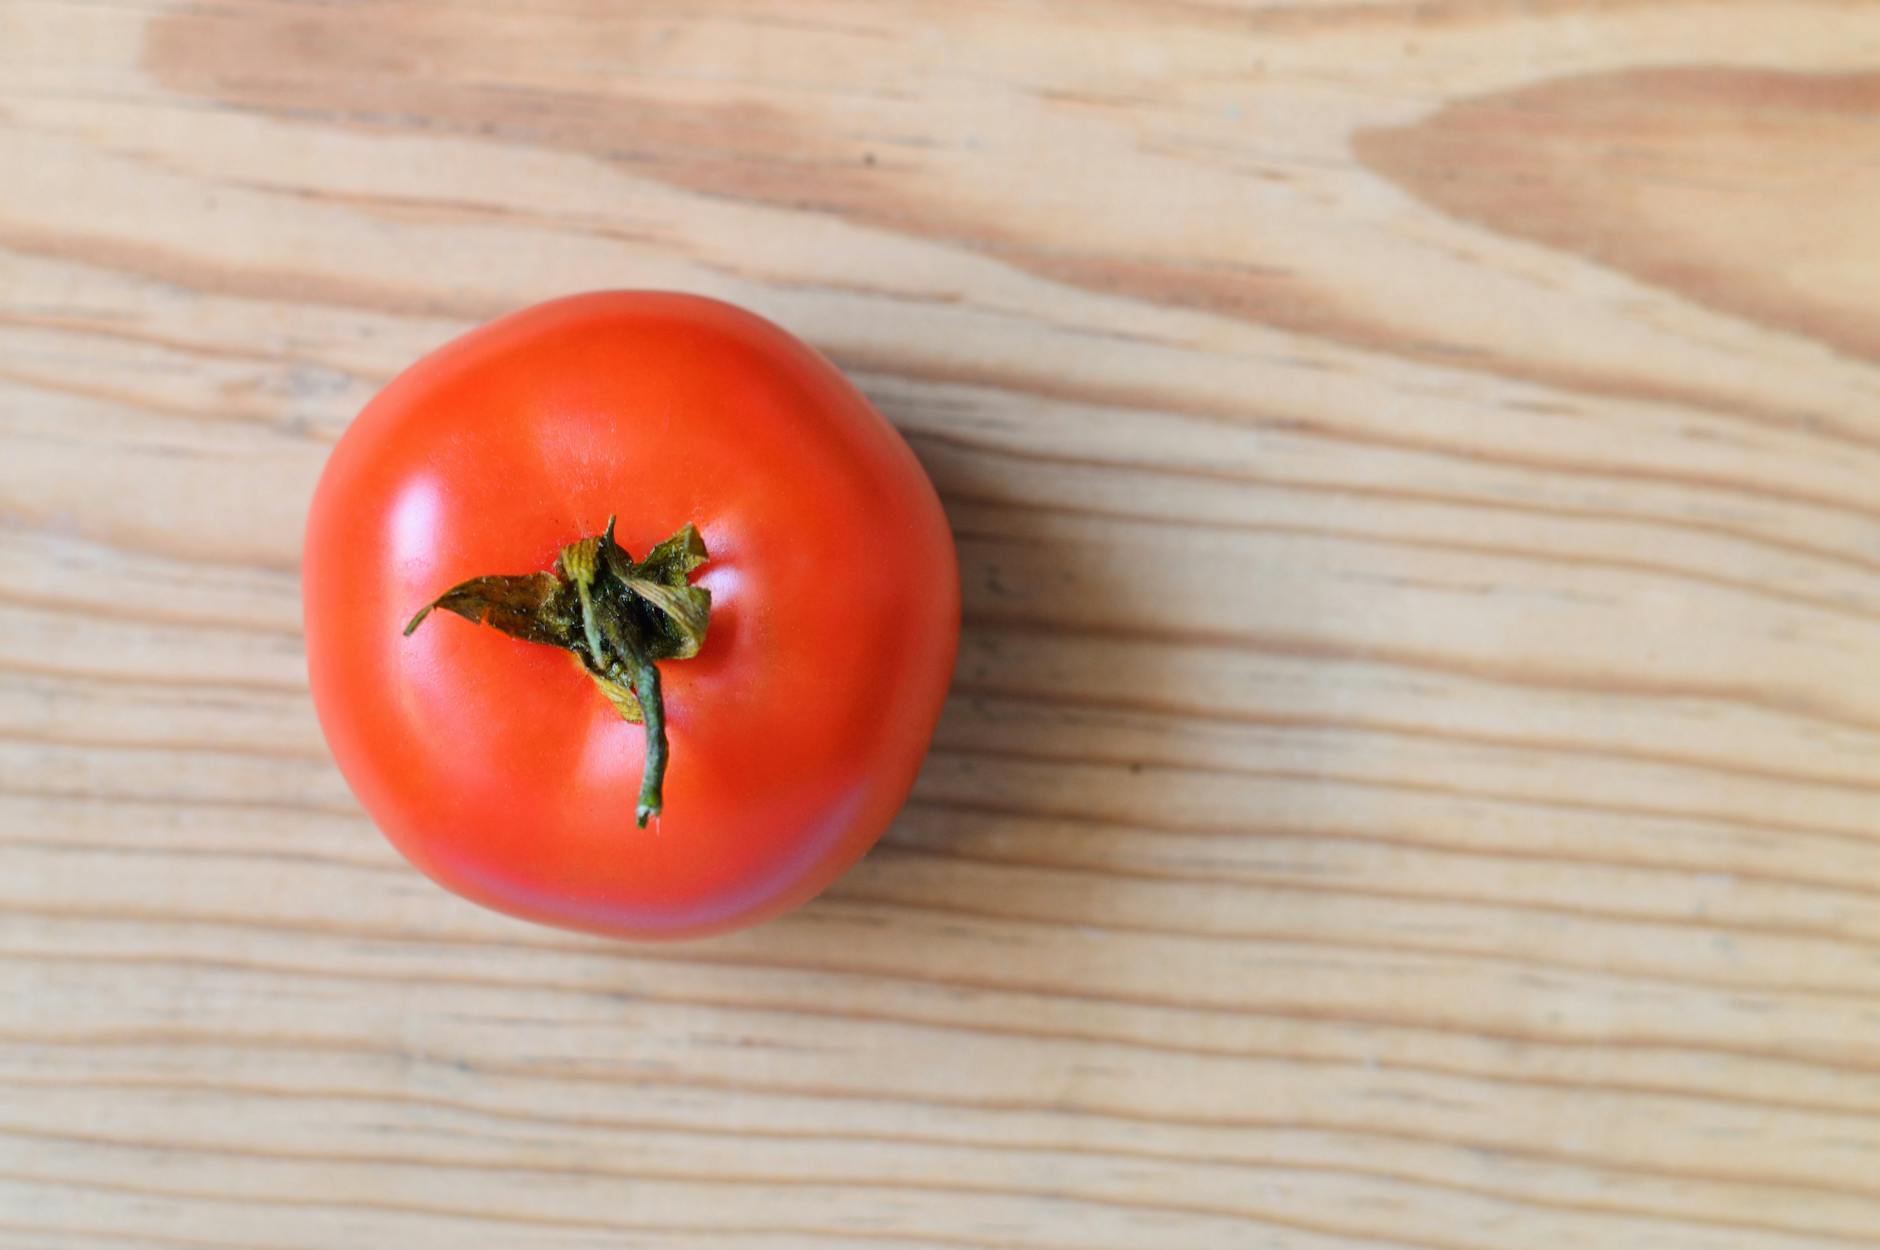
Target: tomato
{"type": "Point", "coordinates": [495, 764]}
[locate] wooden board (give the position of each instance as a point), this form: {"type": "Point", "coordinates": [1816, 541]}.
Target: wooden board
{"type": "Point", "coordinates": [1487, 856]}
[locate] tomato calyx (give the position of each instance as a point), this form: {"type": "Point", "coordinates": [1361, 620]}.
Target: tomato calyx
{"type": "Point", "coordinates": [615, 615]}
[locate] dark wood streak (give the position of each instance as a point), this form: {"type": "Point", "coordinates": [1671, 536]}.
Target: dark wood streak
{"type": "Point", "coordinates": [747, 961]}
{"type": "Point", "coordinates": [471, 1212]}
{"type": "Point", "coordinates": [1251, 1214]}
{"type": "Point", "coordinates": [1042, 916]}
{"type": "Point", "coordinates": [1618, 167]}
{"type": "Point", "coordinates": [884, 1137]}
{"type": "Point", "coordinates": [1228, 476]}
{"type": "Point", "coordinates": [600, 1170]}
{"type": "Point", "coordinates": [732, 150]}
{"type": "Point", "coordinates": [1562, 1158]}
{"type": "Point", "coordinates": [899, 848]}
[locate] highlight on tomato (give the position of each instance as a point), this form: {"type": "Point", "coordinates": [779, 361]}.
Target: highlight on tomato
{"type": "Point", "coordinates": [628, 613]}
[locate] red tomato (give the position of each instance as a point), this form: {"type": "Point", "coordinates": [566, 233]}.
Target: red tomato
{"type": "Point", "coordinates": [495, 765]}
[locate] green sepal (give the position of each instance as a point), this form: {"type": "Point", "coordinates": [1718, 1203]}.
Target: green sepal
{"type": "Point", "coordinates": [683, 610]}
{"type": "Point", "coordinates": [614, 614]}
{"type": "Point", "coordinates": [525, 606]}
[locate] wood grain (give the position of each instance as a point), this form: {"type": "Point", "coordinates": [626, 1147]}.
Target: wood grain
{"type": "Point", "coordinates": [1488, 858]}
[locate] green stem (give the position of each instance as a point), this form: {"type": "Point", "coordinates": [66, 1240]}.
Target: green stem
{"type": "Point", "coordinates": [653, 707]}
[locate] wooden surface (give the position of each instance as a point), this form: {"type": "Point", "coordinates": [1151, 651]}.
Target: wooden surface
{"type": "Point", "coordinates": [1487, 855]}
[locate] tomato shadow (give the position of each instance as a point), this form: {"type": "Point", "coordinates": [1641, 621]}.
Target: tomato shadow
{"type": "Point", "coordinates": [1034, 795]}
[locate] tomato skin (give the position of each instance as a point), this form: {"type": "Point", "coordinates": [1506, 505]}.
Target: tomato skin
{"type": "Point", "coordinates": [494, 765]}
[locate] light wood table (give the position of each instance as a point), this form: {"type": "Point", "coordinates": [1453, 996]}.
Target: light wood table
{"type": "Point", "coordinates": [1413, 777]}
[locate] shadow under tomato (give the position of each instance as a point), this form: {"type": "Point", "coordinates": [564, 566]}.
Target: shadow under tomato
{"type": "Point", "coordinates": [1033, 796]}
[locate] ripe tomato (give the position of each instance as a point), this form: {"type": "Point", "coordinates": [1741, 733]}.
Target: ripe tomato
{"type": "Point", "coordinates": [496, 765]}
